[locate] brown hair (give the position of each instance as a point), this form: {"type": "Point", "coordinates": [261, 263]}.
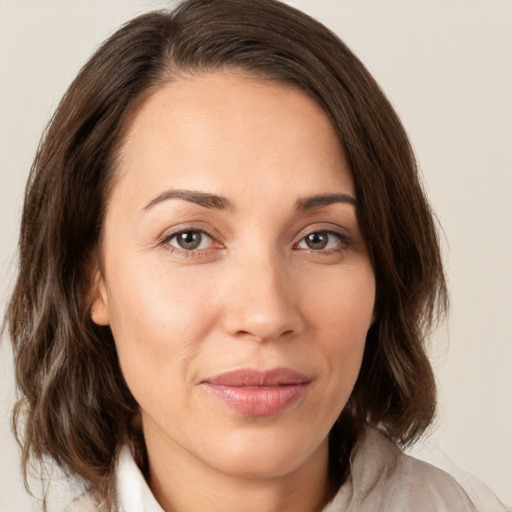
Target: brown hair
{"type": "Point", "coordinates": [75, 406]}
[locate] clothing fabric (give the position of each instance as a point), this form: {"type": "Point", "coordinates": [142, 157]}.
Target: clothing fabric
{"type": "Point", "coordinates": [382, 479]}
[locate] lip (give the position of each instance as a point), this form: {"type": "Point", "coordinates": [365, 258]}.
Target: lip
{"type": "Point", "coordinates": [258, 393]}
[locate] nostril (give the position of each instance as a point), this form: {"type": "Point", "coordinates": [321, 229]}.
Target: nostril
{"type": "Point", "coordinates": [263, 338]}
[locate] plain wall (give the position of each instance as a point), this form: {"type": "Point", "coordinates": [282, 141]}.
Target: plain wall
{"type": "Point", "coordinates": [447, 68]}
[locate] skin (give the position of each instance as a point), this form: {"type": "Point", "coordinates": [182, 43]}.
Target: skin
{"type": "Point", "coordinates": [253, 294]}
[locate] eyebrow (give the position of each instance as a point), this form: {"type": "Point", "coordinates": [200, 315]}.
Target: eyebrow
{"type": "Point", "coordinates": [222, 203]}
{"type": "Point", "coordinates": [321, 200]}
{"type": "Point", "coordinates": [201, 198]}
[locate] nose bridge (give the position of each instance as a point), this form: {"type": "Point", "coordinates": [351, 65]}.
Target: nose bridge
{"type": "Point", "coordinates": [262, 304]}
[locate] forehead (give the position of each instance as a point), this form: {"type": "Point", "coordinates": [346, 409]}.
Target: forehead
{"type": "Point", "coordinates": [221, 131]}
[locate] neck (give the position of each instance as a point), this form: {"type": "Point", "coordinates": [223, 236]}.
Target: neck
{"type": "Point", "coordinates": [181, 482]}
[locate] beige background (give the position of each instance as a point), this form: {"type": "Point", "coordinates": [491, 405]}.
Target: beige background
{"type": "Point", "coordinates": [447, 68]}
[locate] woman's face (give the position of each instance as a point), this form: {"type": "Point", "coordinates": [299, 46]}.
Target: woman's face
{"type": "Point", "coordinates": [235, 280]}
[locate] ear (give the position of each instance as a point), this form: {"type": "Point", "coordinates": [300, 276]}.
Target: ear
{"type": "Point", "coordinates": [100, 313]}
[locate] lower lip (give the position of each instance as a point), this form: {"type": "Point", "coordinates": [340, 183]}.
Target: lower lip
{"type": "Point", "coordinates": [258, 401]}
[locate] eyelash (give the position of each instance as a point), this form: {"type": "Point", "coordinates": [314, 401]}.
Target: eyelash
{"type": "Point", "coordinates": [344, 243]}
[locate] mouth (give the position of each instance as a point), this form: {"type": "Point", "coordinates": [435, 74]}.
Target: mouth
{"type": "Point", "coordinates": [258, 393]}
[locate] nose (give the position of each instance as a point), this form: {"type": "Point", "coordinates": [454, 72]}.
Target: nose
{"type": "Point", "coordinates": [262, 301]}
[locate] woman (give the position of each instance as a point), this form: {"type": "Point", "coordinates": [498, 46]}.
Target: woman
{"type": "Point", "coordinates": [227, 270]}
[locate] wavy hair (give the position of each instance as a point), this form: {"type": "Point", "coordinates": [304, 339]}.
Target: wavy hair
{"type": "Point", "coordinates": [74, 405]}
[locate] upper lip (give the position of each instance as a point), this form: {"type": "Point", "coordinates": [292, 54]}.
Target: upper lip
{"type": "Point", "coordinates": [249, 377]}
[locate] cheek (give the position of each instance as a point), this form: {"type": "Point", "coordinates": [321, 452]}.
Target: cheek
{"type": "Point", "coordinates": [342, 313]}
{"type": "Point", "coordinates": [342, 304]}
{"type": "Point", "coordinates": [158, 320]}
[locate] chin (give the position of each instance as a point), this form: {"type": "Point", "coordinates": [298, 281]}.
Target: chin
{"type": "Point", "coordinates": [267, 455]}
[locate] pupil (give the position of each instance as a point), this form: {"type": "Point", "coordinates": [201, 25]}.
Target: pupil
{"type": "Point", "coordinates": [317, 240]}
{"type": "Point", "coordinates": [189, 240]}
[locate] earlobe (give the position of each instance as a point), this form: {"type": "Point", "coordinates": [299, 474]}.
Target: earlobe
{"type": "Point", "coordinates": [99, 301]}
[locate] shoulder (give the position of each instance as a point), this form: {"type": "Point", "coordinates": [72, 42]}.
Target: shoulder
{"type": "Point", "coordinates": [83, 503]}
{"type": "Point", "coordinates": [384, 478]}
{"type": "Point", "coordinates": [421, 486]}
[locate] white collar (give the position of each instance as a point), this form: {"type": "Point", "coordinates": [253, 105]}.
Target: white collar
{"type": "Point", "coordinates": [134, 494]}
{"type": "Point", "coordinates": [381, 478]}
{"type": "Point", "coordinates": [133, 491]}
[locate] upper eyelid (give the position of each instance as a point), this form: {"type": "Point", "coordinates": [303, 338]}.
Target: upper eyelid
{"type": "Point", "coordinates": [172, 232]}
{"type": "Point", "coordinates": [323, 226]}
{"type": "Point", "coordinates": [186, 230]}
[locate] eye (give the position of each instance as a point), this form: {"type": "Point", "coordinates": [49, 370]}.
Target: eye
{"type": "Point", "coordinates": [322, 240]}
{"type": "Point", "coordinates": [190, 240]}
